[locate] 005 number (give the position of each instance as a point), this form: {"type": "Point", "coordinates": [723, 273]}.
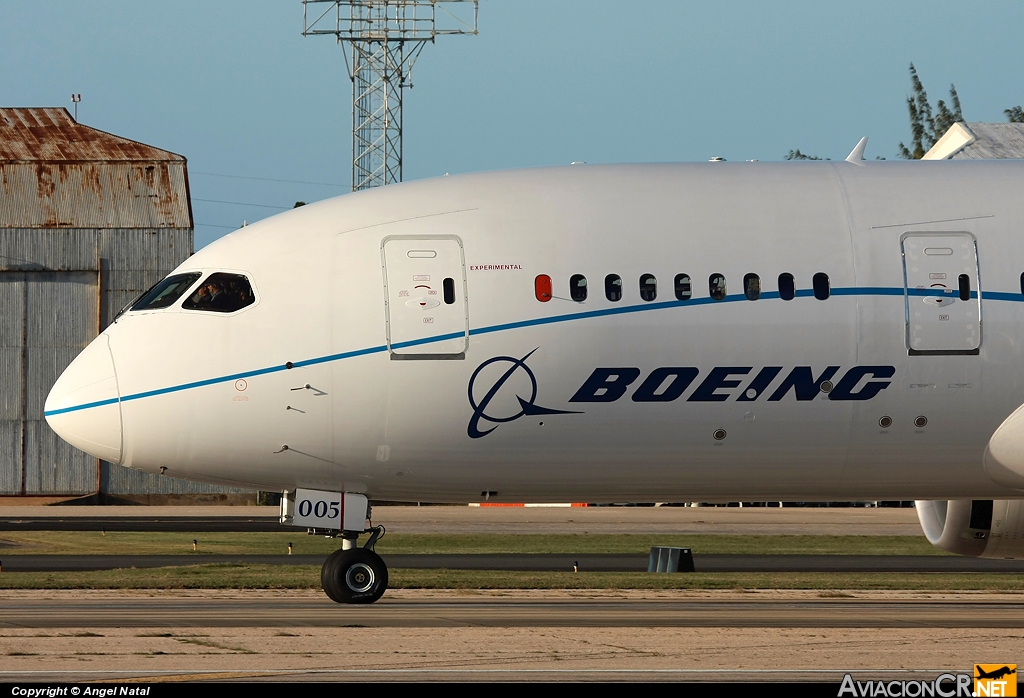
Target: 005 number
{"type": "Point", "coordinates": [320, 509]}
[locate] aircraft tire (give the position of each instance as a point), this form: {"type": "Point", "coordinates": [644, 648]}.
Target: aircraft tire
{"type": "Point", "coordinates": [327, 574]}
{"type": "Point", "coordinates": [354, 576]}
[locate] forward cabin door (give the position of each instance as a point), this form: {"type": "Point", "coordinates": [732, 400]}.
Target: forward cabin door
{"type": "Point", "coordinates": [942, 293]}
{"type": "Point", "coordinates": [427, 310]}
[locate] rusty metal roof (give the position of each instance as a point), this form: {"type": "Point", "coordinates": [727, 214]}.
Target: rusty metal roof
{"type": "Point", "coordinates": [51, 135]}
{"type": "Point", "coordinates": [56, 173]}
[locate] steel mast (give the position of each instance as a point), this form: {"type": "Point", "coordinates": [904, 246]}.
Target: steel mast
{"type": "Point", "coordinates": [385, 37]}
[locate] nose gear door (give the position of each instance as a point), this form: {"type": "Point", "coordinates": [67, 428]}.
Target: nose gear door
{"type": "Point", "coordinates": [942, 293]}
{"type": "Point", "coordinates": [426, 305]}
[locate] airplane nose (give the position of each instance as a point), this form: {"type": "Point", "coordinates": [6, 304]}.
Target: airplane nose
{"type": "Point", "coordinates": [83, 405]}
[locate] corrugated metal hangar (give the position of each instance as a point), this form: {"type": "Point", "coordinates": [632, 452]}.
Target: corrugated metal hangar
{"type": "Point", "coordinates": [88, 222]}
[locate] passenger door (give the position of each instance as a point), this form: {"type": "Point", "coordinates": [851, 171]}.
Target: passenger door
{"type": "Point", "coordinates": [427, 309]}
{"type": "Point", "coordinates": [942, 293]}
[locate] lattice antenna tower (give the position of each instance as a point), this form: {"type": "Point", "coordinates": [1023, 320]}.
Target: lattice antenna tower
{"type": "Point", "coordinates": [384, 37]}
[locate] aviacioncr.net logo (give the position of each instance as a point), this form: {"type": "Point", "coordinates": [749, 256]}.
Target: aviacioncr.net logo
{"type": "Point", "coordinates": [501, 390]}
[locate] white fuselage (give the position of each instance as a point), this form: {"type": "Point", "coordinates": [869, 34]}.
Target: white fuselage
{"type": "Point", "coordinates": [395, 392]}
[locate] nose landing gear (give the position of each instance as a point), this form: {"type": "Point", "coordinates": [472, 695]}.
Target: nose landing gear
{"type": "Point", "coordinates": [352, 574]}
{"type": "Point", "coordinates": [357, 575]}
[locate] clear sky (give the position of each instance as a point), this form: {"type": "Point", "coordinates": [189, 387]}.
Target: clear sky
{"type": "Point", "coordinates": [234, 87]}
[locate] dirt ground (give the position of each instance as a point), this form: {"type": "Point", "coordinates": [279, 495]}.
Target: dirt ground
{"type": "Point", "coordinates": [481, 653]}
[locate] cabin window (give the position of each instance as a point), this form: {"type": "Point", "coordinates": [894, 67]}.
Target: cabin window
{"type": "Point", "coordinates": [787, 287]}
{"type": "Point", "coordinates": [613, 287]}
{"type": "Point", "coordinates": [221, 293]}
{"type": "Point", "coordinates": [684, 287]}
{"type": "Point", "coordinates": [542, 288]}
{"type": "Point", "coordinates": [1022, 284]}
{"type": "Point", "coordinates": [448, 285]}
{"type": "Point", "coordinates": [821, 286]}
{"type": "Point", "coordinates": [166, 292]}
{"type": "Point", "coordinates": [964, 282]}
{"type": "Point", "coordinates": [578, 287]}
{"type": "Point", "coordinates": [752, 287]}
{"type": "Point", "coordinates": [648, 287]}
{"type": "Point", "coordinates": [716, 286]}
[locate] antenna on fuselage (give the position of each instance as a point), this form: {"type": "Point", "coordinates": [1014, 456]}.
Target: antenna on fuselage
{"type": "Point", "coordinates": [857, 154]}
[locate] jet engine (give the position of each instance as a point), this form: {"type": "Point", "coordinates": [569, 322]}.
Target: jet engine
{"type": "Point", "coordinates": [978, 528]}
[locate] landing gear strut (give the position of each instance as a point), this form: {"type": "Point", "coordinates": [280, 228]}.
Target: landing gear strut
{"type": "Point", "coordinates": [355, 575]}
{"type": "Point", "coordinates": [352, 574]}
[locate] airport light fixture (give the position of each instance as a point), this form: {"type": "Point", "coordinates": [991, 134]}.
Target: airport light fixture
{"type": "Point", "coordinates": [385, 37]}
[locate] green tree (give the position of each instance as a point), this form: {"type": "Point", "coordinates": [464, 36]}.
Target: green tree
{"type": "Point", "coordinates": [797, 155]}
{"type": "Point", "coordinates": [926, 129]}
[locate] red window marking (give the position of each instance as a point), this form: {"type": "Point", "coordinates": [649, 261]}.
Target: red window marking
{"type": "Point", "coordinates": [542, 287]}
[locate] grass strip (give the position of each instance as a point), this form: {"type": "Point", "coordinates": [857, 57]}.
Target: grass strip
{"type": "Point", "coordinates": [176, 543]}
{"type": "Point", "coordinates": [242, 576]}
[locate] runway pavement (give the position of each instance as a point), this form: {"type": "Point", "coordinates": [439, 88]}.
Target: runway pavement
{"type": "Point", "coordinates": [539, 562]}
{"type": "Point", "coordinates": [119, 610]}
{"type": "Point", "coordinates": [498, 636]}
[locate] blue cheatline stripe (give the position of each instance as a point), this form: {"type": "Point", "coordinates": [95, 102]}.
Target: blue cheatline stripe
{"type": "Point", "coordinates": [438, 338]}
{"type": "Point", "coordinates": [101, 403]}
{"type": "Point", "coordinates": [221, 379]}
{"type": "Point", "coordinates": [536, 322]}
{"type": "Point", "coordinates": [866, 291]}
{"type": "Point", "coordinates": [1000, 296]}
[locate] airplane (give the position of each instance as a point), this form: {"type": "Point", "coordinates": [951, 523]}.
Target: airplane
{"type": "Point", "coordinates": [711, 332]}
{"type": "Point", "coordinates": [995, 674]}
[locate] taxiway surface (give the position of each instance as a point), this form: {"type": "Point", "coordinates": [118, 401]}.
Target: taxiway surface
{"type": "Point", "coordinates": [481, 520]}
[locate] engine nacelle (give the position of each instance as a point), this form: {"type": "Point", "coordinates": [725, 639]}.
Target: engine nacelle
{"type": "Point", "coordinates": [978, 528]}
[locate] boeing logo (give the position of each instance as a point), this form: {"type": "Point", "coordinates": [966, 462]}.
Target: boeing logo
{"type": "Point", "coordinates": [527, 406]}
{"type": "Point", "coordinates": [669, 383]}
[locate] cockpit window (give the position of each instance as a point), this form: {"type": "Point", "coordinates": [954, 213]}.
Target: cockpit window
{"type": "Point", "coordinates": [221, 293]}
{"type": "Point", "coordinates": [166, 292]}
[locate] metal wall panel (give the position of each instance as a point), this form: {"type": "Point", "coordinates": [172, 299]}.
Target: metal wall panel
{"type": "Point", "coordinates": [53, 466]}
{"type": "Point", "coordinates": [10, 456]}
{"type": "Point", "coordinates": [31, 248]}
{"type": "Point", "coordinates": [156, 250]}
{"type": "Point", "coordinates": [132, 260]}
{"type": "Point", "coordinates": [120, 480]}
{"type": "Point", "coordinates": [94, 195]}
{"type": "Point", "coordinates": [12, 332]}
{"type": "Point", "coordinates": [53, 340]}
